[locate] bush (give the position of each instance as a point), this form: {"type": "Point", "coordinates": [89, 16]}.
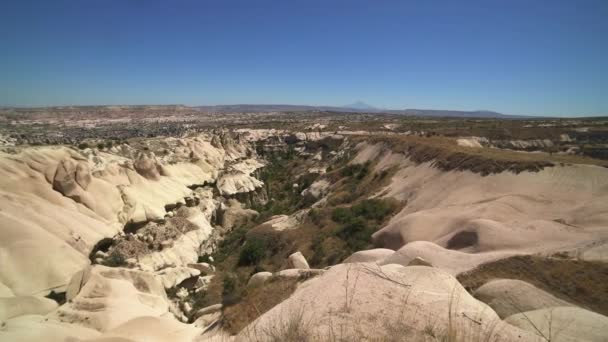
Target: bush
{"type": "Point", "coordinates": [115, 259]}
{"type": "Point", "coordinates": [357, 234]}
{"type": "Point", "coordinates": [359, 171]}
{"type": "Point", "coordinates": [342, 215]}
{"type": "Point", "coordinates": [82, 146]}
{"type": "Point", "coordinates": [373, 209]}
{"type": "Point", "coordinates": [253, 252]}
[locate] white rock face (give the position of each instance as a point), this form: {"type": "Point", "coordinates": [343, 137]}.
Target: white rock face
{"type": "Point", "coordinates": [184, 250]}
{"type": "Point", "coordinates": [472, 219]}
{"type": "Point", "coordinates": [286, 222]}
{"type": "Point", "coordinates": [563, 324]}
{"type": "Point", "coordinates": [151, 329]}
{"type": "Point", "coordinates": [317, 189]}
{"type": "Point", "coordinates": [297, 260]}
{"type": "Point", "coordinates": [203, 267]}
{"type": "Point", "coordinates": [172, 276]}
{"type": "Point", "coordinates": [405, 298]}
{"type": "Point", "coordinates": [234, 183]}
{"type": "Point", "coordinates": [510, 296]}
{"type": "Point", "coordinates": [25, 305]}
{"type": "Point", "coordinates": [110, 297]}
{"type": "Point", "coordinates": [58, 202]}
{"type": "Point", "coordinates": [370, 255]}
{"type": "Point", "coordinates": [258, 279]}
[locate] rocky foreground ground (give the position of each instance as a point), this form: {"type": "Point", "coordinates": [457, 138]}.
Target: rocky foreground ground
{"type": "Point", "coordinates": [324, 236]}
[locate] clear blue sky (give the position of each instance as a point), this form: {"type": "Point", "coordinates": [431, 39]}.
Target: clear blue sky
{"type": "Point", "coordinates": [513, 56]}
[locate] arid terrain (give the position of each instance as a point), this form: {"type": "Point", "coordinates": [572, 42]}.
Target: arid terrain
{"type": "Point", "coordinates": [249, 223]}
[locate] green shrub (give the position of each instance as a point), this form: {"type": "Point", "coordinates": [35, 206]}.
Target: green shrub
{"type": "Point", "coordinates": [253, 252]}
{"type": "Point", "coordinates": [356, 233]}
{"type": "Point", "coordinates": [115, 259]}
{"type": "Point", "coordinates": [359, 171]}
{"type": "Point", "coordinates": [342, 215]}
{"type": "Point", "coordinates": [373, 209]}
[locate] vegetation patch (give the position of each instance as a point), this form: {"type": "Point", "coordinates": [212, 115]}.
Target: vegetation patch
{"type": "Point", "coordinates": [255, 302]}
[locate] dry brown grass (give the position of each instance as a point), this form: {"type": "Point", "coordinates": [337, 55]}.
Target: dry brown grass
{"type": "Point", "coordinates": [579, 282]}
{"type": "Point", "coordinates": [444, 153]}
{"type": "Point", "coordinates": [256, 302]}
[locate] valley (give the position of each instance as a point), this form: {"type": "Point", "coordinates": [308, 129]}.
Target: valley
{"type": "Point", "coordinates": [174, 223]}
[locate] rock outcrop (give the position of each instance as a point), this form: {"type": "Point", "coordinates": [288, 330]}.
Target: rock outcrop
{"type": "Point", "coordinates": [403, 301]}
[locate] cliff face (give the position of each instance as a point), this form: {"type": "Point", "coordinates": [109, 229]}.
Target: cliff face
{"type": "Point", "coordinates": [58, 202]}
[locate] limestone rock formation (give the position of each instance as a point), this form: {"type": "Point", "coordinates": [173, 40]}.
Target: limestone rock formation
{"type": "Point", "coordinates": [109, 297]}
{"type": "Point", "coordinates": [297, 260]}
{"type": "Point", "coordinates": [404, 301]}
{"type": "Point", "coordinates": [563, 324]}
{"type": "Point", "coordinates": [258, 279]}
{"type": "Point", "coordinates": [510, 296]}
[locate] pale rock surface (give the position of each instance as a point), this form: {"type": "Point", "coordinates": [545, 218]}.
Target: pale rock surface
{"type": "Point", "coordinates": [454, 262]}
{"type": "Point", "coordinates": [25, 305]}
{"type": "Point", "coordinates": [234, 183]}
{"type": "Point", "coordinates": [286, 222]}
{"type": "Point", "coordinates": [365, 299]}
{"type": "Point", "coordinates": [297, 260]}
{"type": "Point", "coordinates": [489, 217]}
{"type": "Point", "coordinates": [418, 261]}
{"type": "Point", "coordinates": [110, 297]}
{"type": "Point", "coordinates": [295, 273]}
{"type": "Point", "coordinates": [172, 276]}
{"type": "Point", "coordinates": [370, 255]}
{"type": "Point", "coordinates": [203, 267]}
{"type": "Point", "coordinates": [510, 296]}
{"type": "Point", "coordinates": [184, 250]}
{"type": "Point", "coordinates": [563, 324]}
{"type": "Point", "coordinates": [258, 279]}
{"type": "Point", "coordinates": [317, 189]}
{"type": "Point", "coordinates": [36, 328]}
{"type": "Point", "coordinates": [150, 329]}
{"type": "Point", "coordinates": [58, 202]}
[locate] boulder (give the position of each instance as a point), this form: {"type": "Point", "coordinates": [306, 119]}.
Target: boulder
{"type": "Point", "coordinates": [258, 279]}
{"type": "Point", "coordinates": [111, 296]}
{"type": "Point", "coordinates": [510, 296]}
{"type": "Point", "coordinates": [297, 260]}
{"type": "Point", "coordinates": [294, 273]}
{"type": "Point", "coordinates": [203, 267]}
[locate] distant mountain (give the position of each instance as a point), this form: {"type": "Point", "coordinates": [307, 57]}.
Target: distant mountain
{"type": "Point", "coordinates": [454, 113]}
{"type": "Point", "coordinates": [361, 106]}
{"type": "Point", "coordinates": [357, 107]}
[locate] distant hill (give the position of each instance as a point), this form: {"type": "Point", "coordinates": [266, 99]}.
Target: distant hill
{"type": "Point", "coordinates": [361, 106]}
{"type": "Point", "coordinates": [357, 107]}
